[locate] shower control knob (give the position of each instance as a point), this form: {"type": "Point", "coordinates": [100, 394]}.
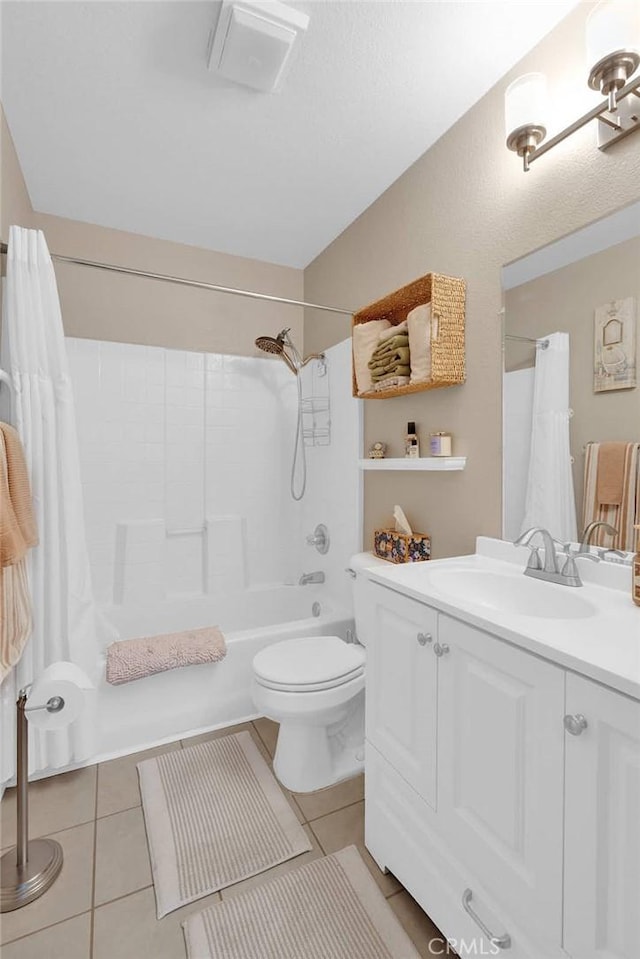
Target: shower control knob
{"type": "Point", "coordinates": [320, 539]}
{"type": "Point", "coordinates": [576, 724]}
{"type": "Point", "coordinates": [424, 638]}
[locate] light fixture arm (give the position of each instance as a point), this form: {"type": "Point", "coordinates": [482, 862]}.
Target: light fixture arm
{"type": "Point", "coordinates": [614, 126]}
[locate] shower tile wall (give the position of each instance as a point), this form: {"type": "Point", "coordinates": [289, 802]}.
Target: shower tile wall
{"type": "Point", "coordinates": [185, 461]}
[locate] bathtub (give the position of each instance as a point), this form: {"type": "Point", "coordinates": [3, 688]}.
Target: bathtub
{"type": "Point", "coordinates": [194, 699]}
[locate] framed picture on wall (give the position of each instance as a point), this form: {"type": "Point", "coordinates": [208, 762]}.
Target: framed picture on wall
{"type": "Point", "coordinates": [614, 360]}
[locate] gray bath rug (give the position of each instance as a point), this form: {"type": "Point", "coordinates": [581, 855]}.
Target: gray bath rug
{"type": "Point", "coordinates": [330, 908]}
{"type": "Point", "coordinates": [214, 815]}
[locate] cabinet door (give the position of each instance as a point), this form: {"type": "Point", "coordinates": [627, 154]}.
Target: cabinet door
{"type": "Point", "coordinates": [401, 686]}
{"type": "Point", "coordinates": [500, 773]}
{"type": "Point", "coordinates": [602, 824]}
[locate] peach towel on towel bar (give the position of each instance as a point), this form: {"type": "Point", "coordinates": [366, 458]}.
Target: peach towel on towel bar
{"type": "Point", "coordinates": [611, 469]}
{"type": "Point", "coordinates": [17, 534]}
{"type": "Point", "coordinates": [613, 495]}
{"type": "Point", "coordinates": [133, 659]}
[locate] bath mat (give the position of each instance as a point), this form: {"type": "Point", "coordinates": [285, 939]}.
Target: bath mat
{"type": "Point", "coordinates": [330, 907]}
{"type": "Point", "coordinates": [214, 815]}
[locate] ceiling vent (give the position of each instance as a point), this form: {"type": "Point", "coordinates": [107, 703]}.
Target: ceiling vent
{"type": "Point", "coordinates": [252, 42]}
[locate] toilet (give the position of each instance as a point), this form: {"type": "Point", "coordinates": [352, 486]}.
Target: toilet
{"type": "Point", "coordinates": [314, 688]}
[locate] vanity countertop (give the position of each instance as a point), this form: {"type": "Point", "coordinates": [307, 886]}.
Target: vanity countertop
{"type": "Point", "coordinates": [599, 636]}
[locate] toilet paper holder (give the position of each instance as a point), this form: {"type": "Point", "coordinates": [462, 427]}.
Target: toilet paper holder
{"type": "Point", "coordinates": [31, 866]}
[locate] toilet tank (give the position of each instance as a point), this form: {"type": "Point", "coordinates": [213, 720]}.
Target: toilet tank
{"type": "Point", "coordinates": [358, 564]}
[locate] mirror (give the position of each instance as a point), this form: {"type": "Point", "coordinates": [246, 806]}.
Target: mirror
{"type": "Point", "coordinates": [571, 318]}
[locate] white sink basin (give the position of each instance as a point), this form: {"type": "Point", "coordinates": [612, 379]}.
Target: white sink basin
{"type": "Point", "coordinates": [521, 595]}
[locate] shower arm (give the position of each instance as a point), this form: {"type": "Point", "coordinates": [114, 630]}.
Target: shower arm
{"type": "Point", "coordinates": [312, 356]}
{"type": "Point", "coordinates": [297, 363]}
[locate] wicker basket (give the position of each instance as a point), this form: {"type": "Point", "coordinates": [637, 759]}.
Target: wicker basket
{"type": "Point", "coordinates": [447, 297]}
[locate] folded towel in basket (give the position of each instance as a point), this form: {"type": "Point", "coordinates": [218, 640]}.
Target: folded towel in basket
{"type": "Point", "coordinates": [398, 357]}
{"type": "Point", "coordinates": [390, 383]}
{"type": "Point", "coordinates": [136, 658]}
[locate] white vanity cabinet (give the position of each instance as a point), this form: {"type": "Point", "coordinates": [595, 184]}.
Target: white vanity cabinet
{"type": "Point", "coordinates": [500, 772]}
{"type": "Point", "coordinates": [602, 823]}
{"type": "Point", "coordinates": [401, 686]}
{"type": "Point", "coordinates": [509, 830]}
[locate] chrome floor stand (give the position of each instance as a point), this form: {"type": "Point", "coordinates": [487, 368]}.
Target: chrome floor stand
{"type": "Point", "coordinates": [30, 868]}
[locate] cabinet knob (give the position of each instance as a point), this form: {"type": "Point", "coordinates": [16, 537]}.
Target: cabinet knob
{"type": "Point", "coordinates": [440, 649]}
{"type": "Point", "coordinates": [424, 638]}
{"type": "Point", "coordinates": [575, 724]}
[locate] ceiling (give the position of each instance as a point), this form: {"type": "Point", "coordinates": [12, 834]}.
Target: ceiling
{"type": "Point", "coordinates": [117, 120]}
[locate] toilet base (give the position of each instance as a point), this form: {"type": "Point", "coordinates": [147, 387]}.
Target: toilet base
{"type": "Point", "coordinates": [310, 757]}
{"type": "Point", "coordinates": [302, 771]}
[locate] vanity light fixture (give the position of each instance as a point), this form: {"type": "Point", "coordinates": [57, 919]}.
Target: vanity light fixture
{"type": "Point", "coordinates": [614, 50]}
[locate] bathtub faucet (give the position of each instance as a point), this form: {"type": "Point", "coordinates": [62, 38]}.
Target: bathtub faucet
{"type": "Point", "coordinates": [306, 578]}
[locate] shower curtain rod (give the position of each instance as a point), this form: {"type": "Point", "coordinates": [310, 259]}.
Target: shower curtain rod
{"type": "Point", "coordinates": [199, 284]}
{"type": "Point", "coordinates": [544, 343]}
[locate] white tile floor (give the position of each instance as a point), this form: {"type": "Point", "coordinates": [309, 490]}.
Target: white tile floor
{"type": "Point", "coordinates": [102, 905]}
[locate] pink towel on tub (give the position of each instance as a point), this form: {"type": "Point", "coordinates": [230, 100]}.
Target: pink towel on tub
{"type": "Point", "coordinates": [136, 658]}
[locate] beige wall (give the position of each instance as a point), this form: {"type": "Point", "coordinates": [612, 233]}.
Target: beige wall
{"type": "Point", "coordinates": [109, 306]}
{"type": "Point", "coordinates": [565, 300]}
{"type": "Point", "coordinates": [15, 205]}
{"type": "Point", "coordinates": [466, 208]}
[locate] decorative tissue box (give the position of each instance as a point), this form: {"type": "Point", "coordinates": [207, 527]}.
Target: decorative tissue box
{"type": "Point", "coordinates": [400, 547]}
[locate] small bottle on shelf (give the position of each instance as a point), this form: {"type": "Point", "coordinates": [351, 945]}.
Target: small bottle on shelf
{"type": "Point", "coordinates": [412, 446]}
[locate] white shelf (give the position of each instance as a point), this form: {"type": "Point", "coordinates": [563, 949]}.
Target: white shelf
{"type": "Point", "coordinates": [422, 463]}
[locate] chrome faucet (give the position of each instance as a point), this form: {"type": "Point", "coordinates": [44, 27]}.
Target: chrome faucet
{"type": "Point", "coordinates": [590, 530]}
{"type": "Point", "coordinates": [306, 578]}
{"type": "Point", "coordinates": [534, 565]}
{"type": "Point", "coordinates": [568, 575]}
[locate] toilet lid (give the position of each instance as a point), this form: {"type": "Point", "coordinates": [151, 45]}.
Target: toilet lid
{"type": "Point", "coordinates": [318, 662]}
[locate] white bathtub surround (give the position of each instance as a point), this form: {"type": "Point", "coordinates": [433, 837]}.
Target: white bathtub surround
{"type": "Point", "coordinates": [550, 499]}
{"type": "Point", "coordinates": [65, 620]}
{"type": "Point", "coordinates": [139, 562]}
{"type": "Point", "coordinates": [334, 485]}
{"type": "Point", "coordinates": [517, 414]}
{"type": "Point", "coordinates": [226, 555]}
{"type": "Point", "coordinates": [177, 440]}
{"type": "Point", "coordinates": [185, 461]}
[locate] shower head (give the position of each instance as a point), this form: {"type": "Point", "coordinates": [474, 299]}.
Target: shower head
{"type": "Point", "coordinates": [276, 345]}
{"type": "Point", "coordinates": [270, 344]}
{"type": "Point", "coordinates": [280, 344]}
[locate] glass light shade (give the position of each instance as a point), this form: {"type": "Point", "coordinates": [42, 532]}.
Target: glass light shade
{"type": "Point", "coordinates": [612, 25]}
{"type": "Point", "coordinates": [525, 102]}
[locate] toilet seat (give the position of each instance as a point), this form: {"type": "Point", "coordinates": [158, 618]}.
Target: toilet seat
{"type": "Point", "coordinates": [308, 664]}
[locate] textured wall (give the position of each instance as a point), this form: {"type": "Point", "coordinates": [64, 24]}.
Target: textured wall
{"type": "Point", "coordinates": [15, 205]}
{"type": "Point", "coordinates": [466, 208]}
{"type": "Point", "coordinates": [109, 306]}
{"type": "Point", "coordinates": [130, 309]}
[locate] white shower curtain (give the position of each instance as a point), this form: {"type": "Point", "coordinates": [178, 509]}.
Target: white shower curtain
{"type": "Point", "coordinates": [42, 410]}
{"type": "Point", "coordinates": [550, 499]}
